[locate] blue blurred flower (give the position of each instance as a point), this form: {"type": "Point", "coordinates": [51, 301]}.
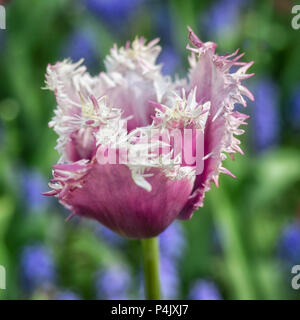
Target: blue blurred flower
{"type": "Point", "coordinates": [170, 60]}
{"type": "Point", "coordinates": [222, 17]}
{"type": "Point", "coordinates": [266, 115]}
{"type": "Point", "coordinates": [169, 279]}
{"type": "Point", "coordinates": [162, 21]}
{"type": "Point", "coordinates": [289, 244]}
{"type": "Point", "coordinates": [109, 236]}
{"type": "Point", "coordinates": [81, 44]}
{"type": "Point", "coordinates": [204, 290]}
{"type": "Point", "coordinates": [33, 184]}
{"type": "Point", "coordinates": [113, 12]}
{"type": "Point", "coordinates": [295, 108]}
{"type": "Point", "coordinates": [113, 283]}
{"type": "Point", "coordinates": [67, 295]}
{"type": "Point", "coordinates": [37, 267]}
{"type": "Point", "coordinates": [172, 241]}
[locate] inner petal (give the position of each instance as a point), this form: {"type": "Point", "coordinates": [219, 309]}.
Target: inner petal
{"type": "Point", "coordinates": [82, 145]}
{"type": "Point", "coordinates": [133, 97]}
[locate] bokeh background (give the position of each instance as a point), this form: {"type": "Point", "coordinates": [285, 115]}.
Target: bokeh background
{"type": "Point", "coordinates": [244, 241]}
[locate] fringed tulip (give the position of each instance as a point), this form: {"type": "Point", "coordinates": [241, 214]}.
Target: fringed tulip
{"type": "Point", "coordinates": [103, 123]}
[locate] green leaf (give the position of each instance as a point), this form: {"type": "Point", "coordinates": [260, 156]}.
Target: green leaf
{"type": "Point", "coordinates": [275, 173]}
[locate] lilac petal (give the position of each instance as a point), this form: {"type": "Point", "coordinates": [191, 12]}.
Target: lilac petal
{"type": "Point", "coordinates": [72, 87]}
{"type": "Point", "coordinates": [108, 194]}
{"type": "Point", "coordinates": [134, 101]}
{"type": "Point", "coordinates": [82, 145]}
{"type": "Point", "coordinates": [210, 74]}
{"type": "Point", "coordinates": [134, 78]}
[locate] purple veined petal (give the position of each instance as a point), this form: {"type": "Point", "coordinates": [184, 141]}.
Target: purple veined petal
{"type": "Point", "coordinates": [116, 196]}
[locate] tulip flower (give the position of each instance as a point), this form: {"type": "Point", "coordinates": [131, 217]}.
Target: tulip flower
{"type": "Point", "coordinates": [126, 160]}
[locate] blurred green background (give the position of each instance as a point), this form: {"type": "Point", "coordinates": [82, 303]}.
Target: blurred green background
{"type": "Point", "coordinates": [240, 245]}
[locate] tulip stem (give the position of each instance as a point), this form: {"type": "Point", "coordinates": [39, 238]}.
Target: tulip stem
{"type": "Point", "coordinates": [150, 250]}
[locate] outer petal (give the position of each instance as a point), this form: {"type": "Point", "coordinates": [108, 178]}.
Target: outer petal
{"type": "Point", "coordinates": [71, 84]}
{"type": "Point", "coordinates": [210, 74]}
{"type": "Point", "coordinates": [108, 194]}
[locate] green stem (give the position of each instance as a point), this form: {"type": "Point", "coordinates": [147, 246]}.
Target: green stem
{"type": "Point", "coordinates": [150, 250]}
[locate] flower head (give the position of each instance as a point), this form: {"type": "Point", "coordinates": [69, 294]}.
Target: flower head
{"type": "Point", "coordinates": [139, 150]}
